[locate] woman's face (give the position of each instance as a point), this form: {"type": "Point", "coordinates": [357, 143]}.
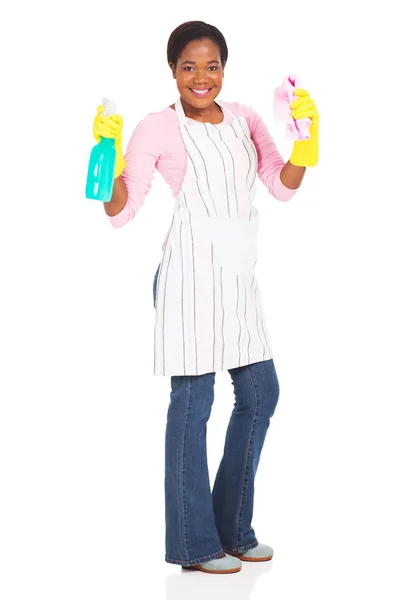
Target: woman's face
{"type": "Point", "coordinates": [199, 68]}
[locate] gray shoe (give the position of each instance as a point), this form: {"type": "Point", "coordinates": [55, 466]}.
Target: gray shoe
{"type": "Point", "coordinates": [257, 554]}
{"type": "Point", "coordinates": [222, 566]}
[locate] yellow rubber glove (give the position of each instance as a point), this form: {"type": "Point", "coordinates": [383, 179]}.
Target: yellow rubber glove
{"type": "Point", "coordinates": [305, 152]}
{"type": "Point", "coordinates": [110, 127]}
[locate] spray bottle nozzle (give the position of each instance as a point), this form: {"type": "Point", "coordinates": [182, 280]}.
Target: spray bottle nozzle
{"type": "Point", "coordinates": [110, 107]}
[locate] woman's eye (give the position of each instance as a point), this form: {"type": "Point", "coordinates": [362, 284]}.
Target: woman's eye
{"type": "Point", "coordinates": [212, 67]}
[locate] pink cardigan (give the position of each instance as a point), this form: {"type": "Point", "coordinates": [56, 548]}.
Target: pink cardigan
{"type": "Point", "coordinates": [156, 143]}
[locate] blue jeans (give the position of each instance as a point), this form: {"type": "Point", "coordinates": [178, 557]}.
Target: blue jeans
{"type": "Point", "coordinates": [202, 523]}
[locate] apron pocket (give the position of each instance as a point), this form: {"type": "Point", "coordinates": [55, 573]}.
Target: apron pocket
{"type": "Point", "coordinates": [235, 242]}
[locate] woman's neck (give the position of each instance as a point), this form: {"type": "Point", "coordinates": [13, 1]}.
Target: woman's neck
{"type": "Point", "coordinates": [209, 114]}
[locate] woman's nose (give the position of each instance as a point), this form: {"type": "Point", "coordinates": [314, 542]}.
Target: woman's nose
{"type": "Point", "coordinates": [201, 75]}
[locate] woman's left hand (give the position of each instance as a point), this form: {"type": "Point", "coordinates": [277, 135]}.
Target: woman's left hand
{"type": "Point", "coordinates": [305, 152]}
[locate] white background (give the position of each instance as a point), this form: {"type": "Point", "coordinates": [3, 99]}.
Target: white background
{"type": "Point", "coordinates": [82, 416]}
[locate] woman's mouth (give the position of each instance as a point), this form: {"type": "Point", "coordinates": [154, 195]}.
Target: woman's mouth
{"type": "Point", "coordinates": [200, 92]}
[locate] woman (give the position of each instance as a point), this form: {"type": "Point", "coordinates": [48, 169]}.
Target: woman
{"type": "Point", "coordinates": [209, 314]}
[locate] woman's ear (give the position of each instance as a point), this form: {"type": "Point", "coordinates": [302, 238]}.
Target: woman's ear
{"type": "Point", "coordinates": [172, 69]}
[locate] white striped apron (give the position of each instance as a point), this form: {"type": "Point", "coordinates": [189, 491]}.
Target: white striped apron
{"type": "Point", "coordinates": [208, 309]}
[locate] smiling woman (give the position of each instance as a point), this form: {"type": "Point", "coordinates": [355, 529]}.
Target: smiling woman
{"type": "Point", "coordinates": [198, 67]}
{"type": "Point", "coordinates": [199, 74]}
{"type": "Point", "coordinates": [208, 308]}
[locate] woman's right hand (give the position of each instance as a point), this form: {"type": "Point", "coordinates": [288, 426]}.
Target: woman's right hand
{"type": "Point", "coordinates": [110, 127]}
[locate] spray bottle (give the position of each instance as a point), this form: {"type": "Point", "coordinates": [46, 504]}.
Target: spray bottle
{"type": "Point", "coordinates": [100, 177]}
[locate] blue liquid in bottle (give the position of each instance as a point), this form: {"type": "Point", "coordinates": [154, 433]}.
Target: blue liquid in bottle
{"type": "Point", "coordinates": [101, 170]}
{"type": "Point", "coordinates": [100, 177]}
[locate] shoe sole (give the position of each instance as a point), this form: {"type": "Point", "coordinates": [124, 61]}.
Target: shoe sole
{"type": "Point", "coordinates": [221, 572]}
{"type": "Point", "coordinates": [250, 559]}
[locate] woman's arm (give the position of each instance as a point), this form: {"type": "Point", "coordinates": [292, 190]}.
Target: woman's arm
{"type": "Point", "coordinates": [131, 187]}
{"type": "Point", "coordinates": [282, 180]}
{"type": "Point", "coordinates": [119, 198]}
{"type": "Point", "coordinates": [292, 176]}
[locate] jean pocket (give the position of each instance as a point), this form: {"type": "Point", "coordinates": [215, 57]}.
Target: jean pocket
{"type": "Point", "coordinates": [155, 281]}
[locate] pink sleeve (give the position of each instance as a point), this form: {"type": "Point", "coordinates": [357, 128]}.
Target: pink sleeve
{"type": "Point", "coordinates": [270, 162]}
{"type": "Point", "coordinates": [142, 153]}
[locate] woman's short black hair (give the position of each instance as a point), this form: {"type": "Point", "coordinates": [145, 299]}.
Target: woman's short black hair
{"type": "Point", "coordinates": [194, 30]}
